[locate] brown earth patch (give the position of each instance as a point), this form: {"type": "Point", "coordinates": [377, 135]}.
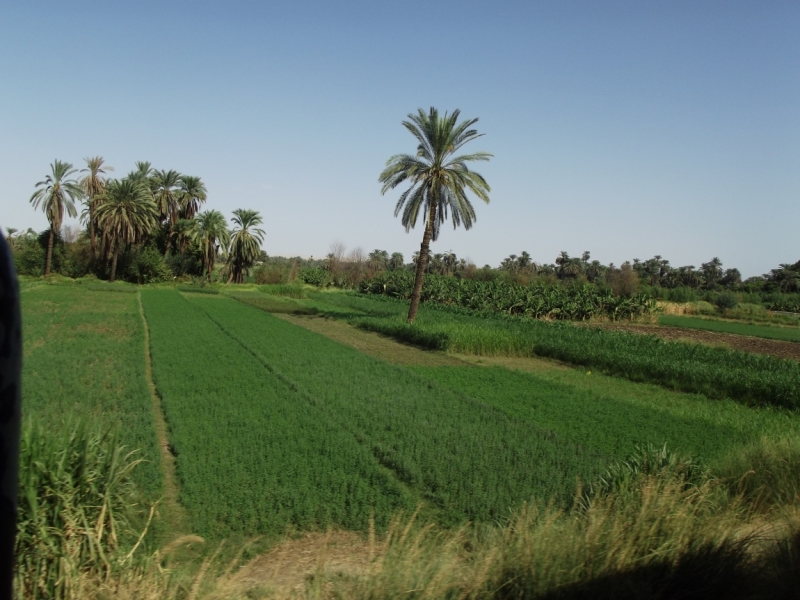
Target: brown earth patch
{"type": "Point", "coordinates": [284, 571]}
{"type": "Point", "coordinates": [517, 363]}
{"type": "Point", "coordinates": [371, 343]}
{"type": "Point", "coordinates": [777, 348]}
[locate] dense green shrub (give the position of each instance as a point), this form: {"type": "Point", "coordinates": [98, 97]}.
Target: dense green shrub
{"type": "Point", "coordinates": [187, 264]}
{"type": "Point", "coordinates": [726, 301]}
{"type": "Point", "coordinates": [315, 276]}
{"type": "Point", "coordinates": [29, 256]}
{"type": "Point", "coordinates": [146, 265]}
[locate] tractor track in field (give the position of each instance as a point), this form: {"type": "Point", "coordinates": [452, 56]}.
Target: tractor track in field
{"type": "Point", "coordinates": [175, 514]}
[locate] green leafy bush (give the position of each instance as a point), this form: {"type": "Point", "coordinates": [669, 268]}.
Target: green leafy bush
{"type": "Point", "coordinates": [147, 265]}
{"type": "Point", "coordinates": [315, 276]}
{"type": "Point", "coordinates": [726, 301]}
{"type": "Point", "coordinates": [29, 256]}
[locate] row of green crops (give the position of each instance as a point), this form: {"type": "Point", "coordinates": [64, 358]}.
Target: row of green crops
{"type": "Point", "coordinates": [615, 416]}
{"type": "Point", "coordinates": [469, 460]}
{"type": "Point", "coordinates": [536, 300]}
{"type": "Point", "coordinates": [283, 289]}
{"type": "Point", "coordinates": [84, 357]}
{"type": "Point", "coordinates": [252, 454]}
{"type": "Point", "coordinates": [789, 334]}
{"type": "Point", "coordinates": [715, 372]}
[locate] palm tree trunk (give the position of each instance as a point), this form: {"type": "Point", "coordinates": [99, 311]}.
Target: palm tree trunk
{"type": "Point", "coordinates": [48, 259]}
{"type": "Point", "coordinates": [169, 243]}
{"type": "Point", "coordinates": [422, 262]}
{"type": "Point", "coordinates": [92, 233]}
{"type": "Point", "coordinates": [114, 263]}
{"type": "Point", "coordinates": [105, 244]}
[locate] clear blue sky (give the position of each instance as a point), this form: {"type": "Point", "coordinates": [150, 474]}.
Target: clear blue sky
{"type": "Point", "coordinates": [628, 129]}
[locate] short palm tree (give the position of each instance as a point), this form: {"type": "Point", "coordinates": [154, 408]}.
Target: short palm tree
{"type": "Point", "coordinates": [212, 235]}
{"type": "Point", "coordinates": [378, 260]}
{"type": "Point", "coordinates": [93, 184]}
{"type": "Point", "coordinates": [126, 213]}
{"type": "Point", "coordinates": [245, 243]}
{"type": "Point", "coordinates": [438, 181]}
{"type": "Point", "coordinates": [396, 262]}
{"type": "Point", "coordinates": [56, 194]}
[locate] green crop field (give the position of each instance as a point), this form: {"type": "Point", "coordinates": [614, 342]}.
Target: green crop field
{"type": "Point", "coordinates": [84, 356]}
{"type": "Point", "coordinates": [253, 454]}
{"type": "Point", "coordinates": [715, 372]}
{"type": "Point", "coordinates": [615, 416]}
{"type": "Point", "coordinates": [468, 459]}
{"type": "Point", "coordinates": [273, 425]}
{"type": "Point", "coordinates": [788, 334]}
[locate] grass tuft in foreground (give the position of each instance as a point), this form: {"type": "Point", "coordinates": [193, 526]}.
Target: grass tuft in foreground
{"type": "Point", "coordinates": [78, 512]}
{"type": "Point", "coordinates": [660, 536]}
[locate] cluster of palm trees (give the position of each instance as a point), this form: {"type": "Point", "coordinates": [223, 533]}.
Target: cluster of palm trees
{"type": "Point", "coordinates": [134, 210]}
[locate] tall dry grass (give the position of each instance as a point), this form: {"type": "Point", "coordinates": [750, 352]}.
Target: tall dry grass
{"type": "Point", "coordinates": [663, 533]}
{"type": "Point", "coordinates": [77, 508]}
{"type": "Point", "coordinates": [654, 526]}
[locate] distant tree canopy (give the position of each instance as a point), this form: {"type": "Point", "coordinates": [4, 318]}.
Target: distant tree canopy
{"type": "Point", "coordinates": [129, 221]}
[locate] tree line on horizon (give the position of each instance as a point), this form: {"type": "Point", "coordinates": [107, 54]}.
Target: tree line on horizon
{"type": "Point", "coordinates": [150, 219]}
{"type": "Point", "coordinates": [348, 269]}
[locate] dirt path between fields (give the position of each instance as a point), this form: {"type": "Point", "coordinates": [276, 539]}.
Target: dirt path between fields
{"type": "Point", "coordinates": [371, 343]}
{"type": "Point", "coordinates": [170, 508]}
{"type": "Point", "coordinates": [392, 351]}
{"type": "Point", "coordinates": [745, 343]}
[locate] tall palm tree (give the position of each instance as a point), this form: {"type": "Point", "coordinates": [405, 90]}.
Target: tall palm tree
{"type": "Point", "coordinates": [167, 196]}
{"type": "Point", "coordinates": [438, 181]}
{"type": "Point", "coordinates": [211, 233]}
{"type": "Point", "coordinates": [56, 194]}
{"type": "Point", "coordinates": [93, 184]}
{"type": "Point", "coordinates": [143, 171]}
{"type": "Point", "coordinates": [126, 213]}
{"type": "Point", "coordinates": [245, 243]}
{"type": "Point", "coordinates": [192, 195]}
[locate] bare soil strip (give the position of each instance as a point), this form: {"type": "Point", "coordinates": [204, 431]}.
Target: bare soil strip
{"type": "Point", "coordinates": [283, 571]}
{"type": "Point", "coordinates": [777, 348]}
{"type": "Point", "coordinates": [171, 509]}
